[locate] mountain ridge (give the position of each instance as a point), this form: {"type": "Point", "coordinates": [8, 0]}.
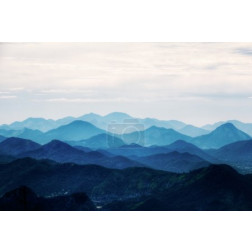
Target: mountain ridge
{"type": "Point", "coordinates": [223, 135]}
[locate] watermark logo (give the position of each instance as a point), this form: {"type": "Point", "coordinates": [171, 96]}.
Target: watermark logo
{"type": "Point", "coordinates": [130, 131]}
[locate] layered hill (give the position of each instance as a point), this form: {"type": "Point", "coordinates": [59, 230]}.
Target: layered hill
{"type": "Point", "coordinates": [238, 154]}
{"type": "Point", "coordinates": [101, 141]}
{"type": "Point", "coordinates": [154, 136]}
{"type": "Point", "coordinates": [217, 187]}
{"type": "Point", "coordinates": [14, 146]}
{"type": "Point", "coordinates": [24, 199]}
{"type": "Point", "coordinates": [75, 131]}
{"type": "Point", "coordinates": [223, 135]}
{"type": "Point", "coordinates": [178, 146]}
{"type": "Point", "coordinates": [174, 162]}
{"type": "Point", "coordinates": [63, 153]}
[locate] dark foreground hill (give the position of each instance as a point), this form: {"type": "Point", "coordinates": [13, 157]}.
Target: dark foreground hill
{"type": "Point", "coordinates": [24, 199]}
{"type": "Point", "coordinates": [217, 187]}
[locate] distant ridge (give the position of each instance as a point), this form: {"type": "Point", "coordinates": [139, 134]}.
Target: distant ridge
{"type": "Point", "coordinates": [75, 131]}
{"type": "Point", "coordinates": [193, 131]}
{"type": "Point", "coordinates": [245, 127]}
{"type": "Point", "coordinates": [223, 135]}
{"type": "Point", "coordinates": [103, 122]}
{"type": "Point", "coordinates": [156, 136]}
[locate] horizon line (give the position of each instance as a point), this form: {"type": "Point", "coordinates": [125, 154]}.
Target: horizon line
{"type": "Point", "coordinates": [134, 117]}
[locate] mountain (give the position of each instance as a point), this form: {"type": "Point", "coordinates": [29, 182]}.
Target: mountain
{"type": "Point", "coordinates": [217, 187]}
{"type": "Point", "coordinates": [184, 147]}
{"type": "Point", "coordinates": [154, 136]}
{"type": "Point", "coordinates": [40, 124]}
{"type": "Point", "coordinates": [236, 151]}
{"type": "Point", "coordinates": [10, 133]}
{"type": "Point", "coordinates": [116, 116]}
{"type": "Point", "coordinates": [101, 141]}
{"type": "Point", "coordinates": [211, 127]}
{"type": "Point", "coordinates": [24, 199]}
{"type": "Point", "coordinates": [238, 154]}
{"type": "Point", "coordinates": [75, 131]}
{"type": "Point", "coordinates": [64, 153]}
{"type": "Point", "coordinates": [170, 124]}
{"type": "Point", "coordinates": [102, 122]}
{"type": "Point", "coordinates": [49, 179]}
{"type": "Point", "coordinates": [14, 146]}
{"type": "Point", "coordinates": [193, 131]}
{"type": "Point", "coordinates": [136, 150]}
{"type": "Point", "coordinates": [223, 135]}
{"type": "Point", "coordinates": [174, 162]}
{"type": "Point", "coordinates": [181, 146]}
{"type": "Point", "coordinates": [2, 138]}
{"type": "Point", "coordinates": [33, 135]}
{"type": "Point", "coordinates": [56, 151]}
{"type": "Point", "coordinates": [63, 121]}
{"type": "Point", "coordinates": [85, 149]}
{"type": "Point", "coordinates": [45, 125]}
{"type": "Point", "coordinates": [33, 123]}
{"type": "Point", "coordinates": [94, 119]}
{"type": "Point", "coordinates": [245, 127]}
{"type": "Point", "coordinates": [4, 127]}
{"type": "Point", "coordinates": [89, 117]}
{"type": "Point", "coordinates": [5, 159]}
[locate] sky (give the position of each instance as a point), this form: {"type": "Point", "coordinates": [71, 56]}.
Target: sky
{"type": "Point", "coordinates": [197, 83]}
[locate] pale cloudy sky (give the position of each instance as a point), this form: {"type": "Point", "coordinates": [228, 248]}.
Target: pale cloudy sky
{"type": "Point", "coordinates": [197, 83]}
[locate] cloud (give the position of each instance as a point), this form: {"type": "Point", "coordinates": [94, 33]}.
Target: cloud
{"type": "Point", "coordinates": [244, 51]}
{"type": "Point", "coordinates": [8, 96]}
{"type": "Point", "coordinates": [83, 100]}
{"type": "Point", "coordinates": [66, 91]}
{"type": "Point", "coordinates": [17, 89]}
{"type": "Point", "coordinates": [121, 75]}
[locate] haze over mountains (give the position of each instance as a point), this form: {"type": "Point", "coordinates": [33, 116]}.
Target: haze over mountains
{"type": "Point", "coordinates": [102, 122]}
{"type": "Point", "coordinates": [128, 150]}
{"type": "Point", "coordinates": [155, 132]}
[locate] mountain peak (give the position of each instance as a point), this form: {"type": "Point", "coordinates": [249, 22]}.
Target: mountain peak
{"type": "Point", "coordinates": [79, 123]}
{"type": "Point", "coordinates": [117, 116]}
{"type": "Point", "coordinates": [225, 134]}
{"type": "Point", "coordinates": [56, 143]}
{"type": "Point", "coordinates": [228, 125]}
{"type": "Point", "coordinates": [180, 143]}
{"type": "Point", "coordinates": [17, 140]}
{"type": "Point", "coordinates": [15, 146]}
{"type": "Point", "coordinates": [229, 128]}
{"type": "Point", "coordinates": [89, 116]}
